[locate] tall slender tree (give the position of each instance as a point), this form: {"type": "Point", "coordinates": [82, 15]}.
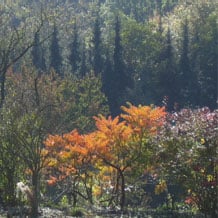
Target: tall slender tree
{"type": "Point", "coordinates": [74, 57]}
{"type": "Point", "coordinates": [97, 51]}
{"type": "Point", "coordinates": [120, 79]}
{"type": "Point", "coordinates": [185, 73]}
{"type": "Point", "coordinates": [38, 58]}
{"type": "Point", "coordinates": [83, 69]}
{"type": "Point", "coordinates": [108, 79]}
{"type": "Point", "coordinates": [55, 53]}
{"type": "Point", "coordinates": [208, 55]}
{"type": "Point", "coordinates": [166, 76]}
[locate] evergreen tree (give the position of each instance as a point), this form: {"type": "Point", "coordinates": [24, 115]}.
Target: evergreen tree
{"type": "Point", "coordinates": [74, 57]}
{"type": "Point", "coordinates": [208, 55]}
{"type": "Point", "coordinates": [167, 79]}
{"type": "Point", "coordinates": [83, 68]}
{"type": "Point", "coordinates": [38, 58]}
{"type": "Point", "coordinates": [120, 70]}
{"type": "Point", "coordinates": [55, 53]}
{"type": "Point", "coordinates": [108, 81]}
{"type": "Point", "coordinates": [186, 76]}
{"type": "Point", "coordinates": [97, 59]}
{"type": "Point", "coordinates": [118, 78]}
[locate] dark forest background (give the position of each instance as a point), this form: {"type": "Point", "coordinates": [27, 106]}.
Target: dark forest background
{"type": "Point", "coordinates": [147, 52]}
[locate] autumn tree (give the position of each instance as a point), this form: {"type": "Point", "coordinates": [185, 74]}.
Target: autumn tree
{"type": "Point", "coordinates": [124, 145]}
{"type": "Point", "coordinates": [112, 139]}
{"type": "Point", "coordinates": [117, 146]}
{"type": "Point", "coordinates": [70, 162]}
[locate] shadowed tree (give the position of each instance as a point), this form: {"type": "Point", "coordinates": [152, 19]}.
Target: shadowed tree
{"type": "Point", "coordinates": [167, 79]}
{"type": "Point", "coordinates": [97, 59]}
{"type": "Point", "coordinates": [38, 58]}
{"type": "Point", "coordinates": [55, 53]}
{"type": "Point", "coordinates": [118, 78]}
{"type": "Point", "coordinates": [74, 57]}
{"type": "Point", "coordinates": [186, 76]}
{"type": "Point", "coordinates": [83, 68]}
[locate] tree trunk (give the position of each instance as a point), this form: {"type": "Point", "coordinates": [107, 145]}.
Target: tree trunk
{"type": "Point", "coordinates": [10, 188]}
{"type": "Point", "coordinates": [35, 194]}
{"type": "Point", "coordinates": [123, 194]}
{"type": "Point", "coordinates": [2, 89]}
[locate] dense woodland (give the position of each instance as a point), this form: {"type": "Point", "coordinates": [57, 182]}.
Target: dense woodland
{"type": "Point", "coordinates": [68, 70]}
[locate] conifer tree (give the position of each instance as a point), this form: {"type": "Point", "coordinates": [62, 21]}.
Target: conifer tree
{"type": "Point", "coordinates": [120, 70]}
{"type": "Point", "coordinates": [74, 57]}
{"type": "Point", "coordinates": [97, 59]}
{"type": "Point", "coordinates": [167, 79]}
{"type": "Point", "coordinates": [118, 78]}
{"type": "Point", "coordinates": [185, 74]}
{"type": "Point", "coordinates": [38, 58]}
{"type": "Point", "coordinates": [108, 80]}
{"type": "Point", "coordinates": [83, 68]}
{"type": "Point", "coordinates": [55, 53]}
{"type": "Point", "coordinates": [208, 61]}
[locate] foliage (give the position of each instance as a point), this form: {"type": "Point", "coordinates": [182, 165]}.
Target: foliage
{"type": "Point", "coordinates": [189, 155]}
{"type": "Point", "coordinates": [116, 147]}
{"type": "Point", "coordinates": [55, 52]}
{"type": "Point", "coordinates": [143, 31]}
{"type": "Point", "coordinates": [164, 52]}
{"type": "Point", "coordinates": [74, 57]}
{"type": "Point", "coordinates": [39, 104]}
{"type": "Point", "coordinates": [38, 58]}
{"type": "Point", "coordinates": [83, 99]}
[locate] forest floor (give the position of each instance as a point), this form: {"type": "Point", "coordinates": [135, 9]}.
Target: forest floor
{"type": "Point", "coordinates": [47, 212]}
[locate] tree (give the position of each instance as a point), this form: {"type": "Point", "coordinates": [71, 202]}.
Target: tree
{"type": "Point", "coordinates": [142, 48]}
{"type": "Point", "coordinates": [39, 105]}
{"type": "Point", "coordinates": [11, 171]}
{"type": "Point", "coordinates": [14, 44]}
{"type": "Point", "coordinates": [55, 53]}
{"type": "Point", "coordinates": [186, 76]}
{"type": "Point", "coordinates": [97, 50]}
{"type": "Point", "coordinates": [123, 145]}
{"type": "Point", "coordinates": [32, 111]}
{"type": "Point", "coordinates": [112, 139]}
{"type": "Point", "coordinates": [188, 155]}
{"type": "Point", "coordinates": [38, 58]}
{"type": "Point", "coordinates": [116, 147]}
{"type": "Point", "coordinates": [118, 79]}
{"type": "Point", "coordinates": [69, 162]}
{"type": "Point", "coordinates": [83, 68]}
{"type": "Point", "coordinates": [74, 57]}
{"type": "Point", "coordinates": [166, 79]}
{"type": "Point", "coordinates": [207, 56]}
{"type": "Point", "coordinates": [84, 99]}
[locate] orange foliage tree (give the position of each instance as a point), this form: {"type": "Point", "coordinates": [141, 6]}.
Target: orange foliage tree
{"type": "Point", "coordinates": [69, 160]}
{"type": "Point", "coordinates": [124, 144]}
{"type": "Point", "coordinates": [116, 148]}
{"type": "Point", "coordinates": [145, 122]}
{"type": "Point", "coordinates": [113, 148]}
